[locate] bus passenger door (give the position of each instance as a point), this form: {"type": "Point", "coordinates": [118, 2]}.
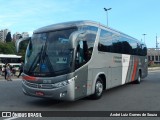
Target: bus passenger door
{"type": "Point", "coordinates": [81, 70]}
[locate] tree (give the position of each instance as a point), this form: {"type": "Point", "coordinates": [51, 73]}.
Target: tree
{"type": "Point", "coordinates": [22, 49]}
{"type": "Point", "coordinates": [7, 48]}
{"type": "Point", "coordinates": [8, 37]}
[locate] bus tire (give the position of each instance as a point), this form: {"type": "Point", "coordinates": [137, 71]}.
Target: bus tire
{"type": "Point", "coordinates": [138, 80]}
{"type": "Point", "coordinates": [98, 89]}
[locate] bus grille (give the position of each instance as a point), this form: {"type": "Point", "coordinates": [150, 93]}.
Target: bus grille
{"type": "Point", "coordinates": [42, 86]}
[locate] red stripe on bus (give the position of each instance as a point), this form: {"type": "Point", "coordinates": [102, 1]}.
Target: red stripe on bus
{"type": "Point", "coordinates": [29, 78]}
{"type": "Point", "coordinates": [134, 69]}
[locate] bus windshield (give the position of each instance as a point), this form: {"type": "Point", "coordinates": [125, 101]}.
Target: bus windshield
{"type": "Point", "coordinates": [49, 54]}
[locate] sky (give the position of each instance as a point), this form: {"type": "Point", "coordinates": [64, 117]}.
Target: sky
{"type": "Point", "coordinates": [132, 17]}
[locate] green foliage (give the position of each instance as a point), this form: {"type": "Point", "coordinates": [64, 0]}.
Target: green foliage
{"type": "Point", "coordinates": [7, 48]}
{"type": "Point", "coordinates": [23, 47]}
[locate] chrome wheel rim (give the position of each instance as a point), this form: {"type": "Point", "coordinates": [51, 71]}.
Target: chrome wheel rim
{"type": "Point", "coordinates": [99, 88]}
{"type": "Point", "coordinates": [139, 78]}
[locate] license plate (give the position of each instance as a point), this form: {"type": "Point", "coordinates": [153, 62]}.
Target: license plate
{"type": "Point", "coordinates": [39, 93]}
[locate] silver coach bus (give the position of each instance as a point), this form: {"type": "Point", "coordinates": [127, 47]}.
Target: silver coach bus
{"type": "Point", "coordinates": [72, 60]}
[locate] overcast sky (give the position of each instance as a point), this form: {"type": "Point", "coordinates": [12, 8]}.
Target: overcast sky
{"type": "Point", "coordinates": [133, 17]}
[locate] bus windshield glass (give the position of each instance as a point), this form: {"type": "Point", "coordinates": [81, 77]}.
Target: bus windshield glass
{"type": "Point", "coordinates": [49, 54]}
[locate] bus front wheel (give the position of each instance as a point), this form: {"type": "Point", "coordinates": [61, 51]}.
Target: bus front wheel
{"type": "Point", "coordinates": [98, 89]}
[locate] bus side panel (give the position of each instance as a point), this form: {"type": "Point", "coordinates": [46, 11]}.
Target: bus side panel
{"type": "Point", "coordinates": [116, 69]}
{"type": "Point", "coordinates": [137, 63]}
{"type": "Point", "coordinates": [130, 70]}
{"type": "Point", "coordinates": [81, 82]}
{"type": "Point", "coordinates": [116, 76]}
{"type": "Point", "coordinates": [135, 68]}
{"type": "Point", "coordinates": [90, 81]}
{"type": "Point", "coordinates": [144, 66]}
{"type": "Point", "coordinates": [126, 64]}
{"type": "Point", "coordinates": [98, 65]}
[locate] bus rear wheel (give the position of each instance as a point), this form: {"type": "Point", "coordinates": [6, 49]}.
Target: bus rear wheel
{"type": "Point", "coordinates": [98, 89]}
{"type": "Point", "coordinates": [138, 80]}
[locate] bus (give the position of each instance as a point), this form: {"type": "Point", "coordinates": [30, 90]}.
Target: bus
{"type": "Point", "coordinates": [13, 60]}
{"type": "Point", "coordinates": [72, 60]}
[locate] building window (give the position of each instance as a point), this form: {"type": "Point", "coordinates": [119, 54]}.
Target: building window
{"type": "Point", "coordinates": [152, 58]}
{"type": "Point", "coordinates": [156, 58]}
{"type": "Point", "coordinates": [149, 58]}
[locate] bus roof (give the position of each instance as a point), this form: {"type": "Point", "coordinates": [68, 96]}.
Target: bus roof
{"type": "Point", "coordinates": [65, 25]}
{"type": "Point", "coordinates": [9, 56]}
{"type": "Point", "coordinates": [76, 24]}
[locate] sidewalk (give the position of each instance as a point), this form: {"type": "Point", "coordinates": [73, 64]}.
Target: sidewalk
{"type": "Point", "coordinates": [153, 68]}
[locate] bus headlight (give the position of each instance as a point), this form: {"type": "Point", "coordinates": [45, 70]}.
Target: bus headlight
{"type": "Point", "coordinates": [61, 84]}
{"type": "Point", "coordinates": [64, 83]}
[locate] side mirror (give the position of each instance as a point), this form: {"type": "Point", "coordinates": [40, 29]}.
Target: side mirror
{"type": "Point", "coordinates": [17, 44]}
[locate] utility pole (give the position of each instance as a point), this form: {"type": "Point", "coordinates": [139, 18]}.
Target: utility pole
{"type": "Point", "coordinates": [156, 42]}
{"type": "Point", "coordinates": [144, 36]}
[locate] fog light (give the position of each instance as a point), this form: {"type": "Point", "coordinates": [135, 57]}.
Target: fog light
{"type": "Point", "coordinates": [63, 94]}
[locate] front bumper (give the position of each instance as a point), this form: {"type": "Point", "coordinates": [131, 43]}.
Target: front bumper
{"type": "Point", "coordinates": [66, 92]}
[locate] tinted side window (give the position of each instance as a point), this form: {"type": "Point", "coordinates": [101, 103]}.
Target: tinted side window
{"type": "Point", "coordinates": [138, 48]}
{"type": "Point", "coordinates": [144, 50]}
{"type": "Point", "coordinates": [89, 37]}
{"type": "Point", "coordinates": [110, 42]}
{"type": "Point", "coordinates": [134, 47]}
{"type": "Point", "coordinates": [105, 42]}
{"type": "Point", "coordinates": [90, 40]}
{"type": "Point", "coordinates": [116, 46]}
{"type": "Point", "coordinates": [126, 47]}
{"type": "Point", "coordinates": [85, 45]}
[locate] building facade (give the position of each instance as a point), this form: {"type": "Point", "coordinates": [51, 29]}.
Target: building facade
{"type": "Point", "coordinates": [3, 34]}
{"type": "Point", "coordinates": [153, 55]}
{"type": "Point", "coordinates": [25, 34]}
{"type": "Point", "coordinates": [17, 35]}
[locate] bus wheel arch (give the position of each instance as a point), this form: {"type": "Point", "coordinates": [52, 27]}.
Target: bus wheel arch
{"type": "Point", "coordinates": [99, 86]}
{"type": "Point", "coordinates": [103, 77]}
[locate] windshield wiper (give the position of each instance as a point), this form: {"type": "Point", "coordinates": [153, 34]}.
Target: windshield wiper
{"type": "Point", "coordinates": [33, 65]}
{"type": "Point", "coordinates": [42, 58]}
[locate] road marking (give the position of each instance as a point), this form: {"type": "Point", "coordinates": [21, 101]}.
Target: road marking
{"type": "Point", "coordinates": [12, 118]}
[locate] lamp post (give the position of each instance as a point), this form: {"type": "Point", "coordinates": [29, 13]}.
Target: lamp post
{"type": "Point", "coordinates": [156, 42]}
{"type": "Point", "coordinates": [105, 9]}
{"type": "Point", "coordinates": [144, 36]}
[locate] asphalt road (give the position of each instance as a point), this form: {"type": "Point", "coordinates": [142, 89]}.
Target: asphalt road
{"type": "Point", "coordinates": [130, 97]}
